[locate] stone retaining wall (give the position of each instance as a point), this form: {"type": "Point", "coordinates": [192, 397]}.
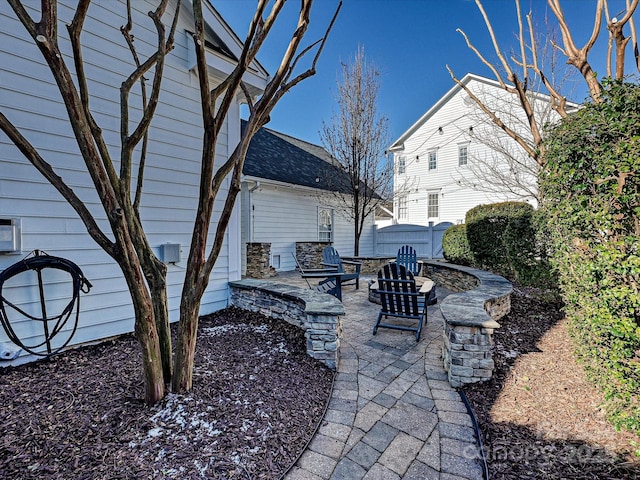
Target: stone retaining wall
{"type": "Point", "coordinates": [470, 319]}
{"type": "Point", "coordinates": [318, 314]}
{"type": "Point", "coordinates": [452, 280]}
{"type": "Point", "coordinates": [370, 265]}
{"type": "Point", "coordinates": [309, 254]}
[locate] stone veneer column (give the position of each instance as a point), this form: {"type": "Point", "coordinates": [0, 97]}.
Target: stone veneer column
{"type": "Point", "coordinates": [309, 254]}
{"type": "Point", "coordinates": [258, 257]}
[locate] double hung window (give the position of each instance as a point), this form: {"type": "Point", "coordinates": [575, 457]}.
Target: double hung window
{"type": "Point", "coordinates": [433, 159]}
{"type": "Point", "coordinates": [463, 155]}
{"type": "Point", "coordinates": [325, 224]}
{"type": "Point", "coordinates": [433, 206]}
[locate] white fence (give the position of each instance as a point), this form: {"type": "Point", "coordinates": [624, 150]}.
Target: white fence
{"type": "Point", "coordinates": [427, 241]}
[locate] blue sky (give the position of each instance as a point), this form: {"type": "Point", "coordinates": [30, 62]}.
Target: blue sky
{"type": "Point", "coordinates": [411, 42]}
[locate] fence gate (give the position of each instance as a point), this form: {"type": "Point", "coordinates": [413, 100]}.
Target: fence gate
{"type": "Point", "coordinates": [426, 240]}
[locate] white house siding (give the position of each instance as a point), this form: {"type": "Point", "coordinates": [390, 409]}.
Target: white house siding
{"type": "Point", "coordinates": [443, 129]}
{"type": "Point", "coordinates": [283, 215]}
{"type": "Point", "coordinates": [29, 98]}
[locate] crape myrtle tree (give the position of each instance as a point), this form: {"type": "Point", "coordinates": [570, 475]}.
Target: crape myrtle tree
{"type": "Point", "coordinates": [525, 69]}
{"type": "Point", "coordinates": [118, 177]}
{"type": "Point", "coordinates": [356, 137]}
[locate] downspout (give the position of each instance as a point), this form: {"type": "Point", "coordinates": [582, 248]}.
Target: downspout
{"type": "Point", "coordinates": [251, 212]}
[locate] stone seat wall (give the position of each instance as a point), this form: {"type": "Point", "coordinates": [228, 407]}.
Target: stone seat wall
{"type": "Point", "coordinates": [470, 318]}
{"type": "Point", "coordinates": [318, 314]}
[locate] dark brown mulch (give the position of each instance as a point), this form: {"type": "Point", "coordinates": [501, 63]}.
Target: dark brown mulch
{"type": "Point", "coordinates": [540, 418]}
{"type": "Point", "coordinates": [256, 401]}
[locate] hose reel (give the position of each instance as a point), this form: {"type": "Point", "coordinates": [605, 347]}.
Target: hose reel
{"type": "Point", "coordinates": [52, 326]}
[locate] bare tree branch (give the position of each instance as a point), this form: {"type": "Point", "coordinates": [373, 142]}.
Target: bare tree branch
{"type": "Point", "coordinates": [634, 39]}
{"type": "Point", "coordinates": [505, 128]}
{"type": "Point", "coordinates": [356, 138]}
{"type": "Point", "coordinates": [75, 30]}
{"type": "Point", "coordinates": [615, 27]}
{"type": "Point", "coordinates": [483, 59]}
{"type": "Point", "coordinates": [32, 154]}
{"type": "Point", "coordinates": [575, 56]}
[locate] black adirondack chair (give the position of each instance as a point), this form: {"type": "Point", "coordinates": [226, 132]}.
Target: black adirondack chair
{"type": "Point", "coordinates": [331, 259]}
{"type": "Point", "coordinates": [400, 299]}
{"type": "Point", "coordinates": [408, 258]}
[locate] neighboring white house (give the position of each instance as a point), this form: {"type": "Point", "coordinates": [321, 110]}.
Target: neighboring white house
{"type": "Point", "coordinates": [286, 198]}
{"type": "Point", "coordinates": [453, 158]}
{"type": "Point", "coordinates": [30, 99]}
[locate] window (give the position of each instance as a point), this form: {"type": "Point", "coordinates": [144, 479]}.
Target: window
{"type": "Point", "coordinates": [433, 159]}
{"type": "Point", "coordinates": [433, 210]}
{"type": "Point", "coordinates": [463, 155]}
{"type": "Point", "coordinates": [325, 224]}
{"type": "Point", "coordinates": [402, 165]}
{"type": "Point", "coordinates": [402, 207]}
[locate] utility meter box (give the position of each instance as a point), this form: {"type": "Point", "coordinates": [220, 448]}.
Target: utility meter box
{"type": "Point", "coordinates": [10, 235]}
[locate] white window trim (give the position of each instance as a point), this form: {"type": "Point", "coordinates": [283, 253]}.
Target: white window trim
{"type": "Point", "coordinates": [429, 194]}
{"type": "Point", "coordinates": [320, 230]}
{"type": "Point", "coordinates": [402, 165]}
{"type": "Point", "coordinates": [403, 210]}
{"type": "Point", "coordinates": [460, 146]}
{"type": "Point", "coordinates": [435, 154]}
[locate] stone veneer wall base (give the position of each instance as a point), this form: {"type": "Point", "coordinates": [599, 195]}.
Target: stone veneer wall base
{"type": "Point", "coordinates": [318, 314]}
{"type": "Point", "coordinates": [470, 317]}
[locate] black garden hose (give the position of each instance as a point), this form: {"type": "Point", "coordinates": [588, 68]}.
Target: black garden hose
{"type": "Point", "coordinates": [37, 263]}
{"type": "Point", "coordinates": [476, 428]}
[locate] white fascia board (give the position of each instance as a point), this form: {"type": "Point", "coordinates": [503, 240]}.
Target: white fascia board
{"type": "Point", "coordinates": [276, 183]}
{"type": "Point", "coordinates": [256, 76]}
{"type": "Point", "coordinates": [398, 145]}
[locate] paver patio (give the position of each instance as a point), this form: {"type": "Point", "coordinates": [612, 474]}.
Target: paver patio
{"type": "Point", "coordinates": [392, 414]}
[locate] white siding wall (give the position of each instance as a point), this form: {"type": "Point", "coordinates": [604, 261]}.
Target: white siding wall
{"type": "Point", "coordinates": [455, 197]}
{"type": "Point", "coordinates": [283, 216]}
{"type": "Point", "coordinates": [29, 98]}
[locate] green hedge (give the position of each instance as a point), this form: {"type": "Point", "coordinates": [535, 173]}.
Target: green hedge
{"type": "Point", "coordinates": [506, 238]}
{"type": "Point", "coordinates": [503, 238]}
{"type": "Point", "coordinates": [455, 245]}
{"type": "Point", "coordinates": [591, 196]}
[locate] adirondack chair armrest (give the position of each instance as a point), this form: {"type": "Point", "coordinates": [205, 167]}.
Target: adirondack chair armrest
{"type": "Point", "coordinates": [358, 265]}
{"type": "Point", "coordinates": [333, 266]}
{"type": "Point", "coordinates": [318, 270]}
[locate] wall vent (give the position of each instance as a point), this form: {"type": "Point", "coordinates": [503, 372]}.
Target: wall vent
{"type": "Point", "coordinates": [170, 252]}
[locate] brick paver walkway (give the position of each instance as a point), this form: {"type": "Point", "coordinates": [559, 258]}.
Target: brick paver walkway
{"type": "Point", "coordinates": [392, 415]}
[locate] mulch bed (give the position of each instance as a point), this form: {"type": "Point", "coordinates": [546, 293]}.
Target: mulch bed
{"type": "Point", "coordinates": [540, 418]}
{"type": "Point", "coordinates": [256, 401]}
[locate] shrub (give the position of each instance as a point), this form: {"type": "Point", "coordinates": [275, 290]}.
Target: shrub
{"type": "Point", "coordinates": [456, 246]}
{"type": "Point", "coordinates": [591, 197]}
{"type": "Point", "coordinates": [502, 238]}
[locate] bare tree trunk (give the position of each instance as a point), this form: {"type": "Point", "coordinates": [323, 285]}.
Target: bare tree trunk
{"type": "Point", "coordinates": [146, 333]}
{"type": "Point", "coordinates": [144, 273]}
{"type": "Point", "coordinates": [186, 343]}
{"type": "Point", "coordinates": [211, 179]}
{"type": "Point", "coordinates": [357, 138]}
{"type": "Point", "coordinates": [157, 281]}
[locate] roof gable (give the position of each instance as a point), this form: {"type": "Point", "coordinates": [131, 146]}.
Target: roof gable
{"type": "Point", "coordinates": [224, 48]}
{"type": "Point", "coordinates": [466, 80]}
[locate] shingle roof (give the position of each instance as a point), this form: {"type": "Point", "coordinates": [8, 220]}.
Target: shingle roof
{"type": "Point", "coordinates": [276, 156]}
